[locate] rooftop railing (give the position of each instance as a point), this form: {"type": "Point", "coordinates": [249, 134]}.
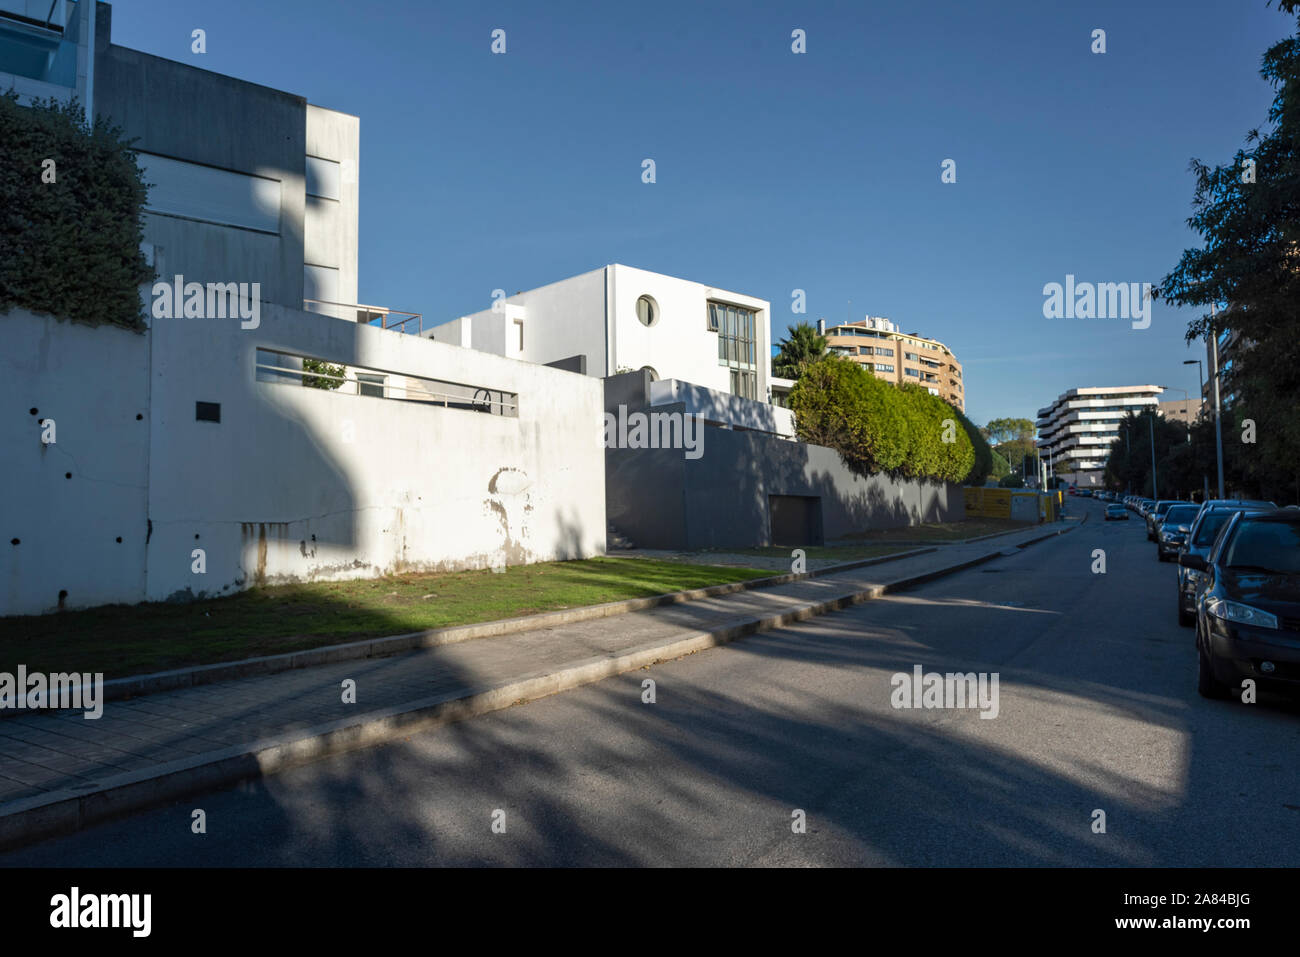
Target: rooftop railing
{"type": "Point", "coordinates": [380, 316]}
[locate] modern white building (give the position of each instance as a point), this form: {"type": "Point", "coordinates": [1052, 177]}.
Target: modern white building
{"type": "Point", "coordinates": [620, 319]}
{"type": "Point", "coordinates": [1075, 431]}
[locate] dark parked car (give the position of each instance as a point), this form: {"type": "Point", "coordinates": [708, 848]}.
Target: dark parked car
{"type": "Point", "coordinates": [1157, 512]}
{"type": "Point", "coordinates": [1200, 539]}
{"type": "Point", "coordinates": [1248, 604]}
{"type": "Point", "coordinates": [1116, 512]}
{"type": "Point", "coordinates": [1175, 525]}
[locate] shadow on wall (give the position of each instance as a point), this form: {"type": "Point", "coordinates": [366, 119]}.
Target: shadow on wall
{"type": "Point", "coordinates": [723, 499]}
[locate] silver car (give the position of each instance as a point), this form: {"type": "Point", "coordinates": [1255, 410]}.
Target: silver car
{"type": "Point", "coordinates": [1174, 528]}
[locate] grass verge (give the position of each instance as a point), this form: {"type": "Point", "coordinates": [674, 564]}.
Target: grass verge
{"type": "Point", "coordinates": [121, 640]}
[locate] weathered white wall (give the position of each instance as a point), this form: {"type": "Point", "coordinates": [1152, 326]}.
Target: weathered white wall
{"type": "Point", "coordinates": [93, 382]}
{"type": "Point", "coordinates": [293, 483]}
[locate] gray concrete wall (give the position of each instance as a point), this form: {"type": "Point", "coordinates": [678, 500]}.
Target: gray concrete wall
{"type": "Point", "coordinates": [660, 499]}
{"type": "Point", "coordinates": [197, 116]}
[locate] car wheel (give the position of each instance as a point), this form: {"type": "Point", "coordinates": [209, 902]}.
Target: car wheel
{"type": "Point", "coordinates": [1160, 556]}
{"type": "Point", "coordinates": [1206, 684]}
{"type": "Point", "coordinates": [1184, 618]}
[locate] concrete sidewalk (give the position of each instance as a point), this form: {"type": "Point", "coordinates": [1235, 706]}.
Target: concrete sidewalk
{"type": "Point", "coordinates": [59, 772]}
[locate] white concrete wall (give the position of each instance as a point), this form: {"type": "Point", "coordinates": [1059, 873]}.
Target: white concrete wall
{"type": "Point", "coordinates": [331, 227]}
{"type": "Point", "coordinates": [563, 319]}
{"type": "Point", "coordinates": [293, 483]}
{"type": "Point", "coordinates": [93, 382]}
{"type": "Point", "coordinates": [283, 494]}
{"type": "Point", "coordinates": [679, 345]}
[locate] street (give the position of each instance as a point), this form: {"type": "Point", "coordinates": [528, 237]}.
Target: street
{"type": "Point", "coordinates": [1098, 710]}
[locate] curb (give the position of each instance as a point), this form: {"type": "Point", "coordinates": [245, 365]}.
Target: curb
{"type": "Point", "coordinates": [62, 812]}
{"type": "Point", "coordinates": [135, 685]}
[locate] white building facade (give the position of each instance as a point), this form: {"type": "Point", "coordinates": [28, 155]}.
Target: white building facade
{"type": "Point", "coordinates": [621, 319]}
{"type": "Point", "coordinates": [1075, 431]}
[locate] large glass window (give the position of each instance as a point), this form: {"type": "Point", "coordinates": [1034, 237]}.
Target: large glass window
{"type": "Point", "coordinates": [737, 347]}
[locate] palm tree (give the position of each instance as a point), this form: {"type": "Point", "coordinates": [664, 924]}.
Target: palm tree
{"type": "Point", "coordinates": [799, 348]}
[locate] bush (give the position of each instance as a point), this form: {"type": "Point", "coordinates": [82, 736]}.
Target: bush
{"type": "Point", "coordinates": [878, 427]}
{"type": "Point", "coordinates": [71, 247]}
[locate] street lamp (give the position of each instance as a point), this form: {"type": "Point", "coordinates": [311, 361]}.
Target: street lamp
{"type": "Point", "coordinates": [1200, 381]}
{"type": "Point", "coordinates": [1151, 425]}
{"type": "Point", "coordinates": [1214, 380]}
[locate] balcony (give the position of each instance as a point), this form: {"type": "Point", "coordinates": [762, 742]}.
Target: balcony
{"type": "Point", "coordinates": [382, 317]}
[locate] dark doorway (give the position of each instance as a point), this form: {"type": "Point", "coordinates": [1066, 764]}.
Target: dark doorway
{"type": "Point", "coordinates": [796, 519]}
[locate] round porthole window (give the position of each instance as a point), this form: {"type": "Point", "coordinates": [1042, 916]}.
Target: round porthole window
{"type": "Point", "coordinates": [647, 310]}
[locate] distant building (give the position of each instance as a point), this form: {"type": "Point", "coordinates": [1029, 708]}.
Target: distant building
{"type": "Point", "coordinates": [898, 357]}
{"type": "Point", "coordinates": [1182, 410]}
{"type": "Point", "coordinates": [1075, 431]}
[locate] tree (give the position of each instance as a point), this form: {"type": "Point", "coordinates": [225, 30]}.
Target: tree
{"type": "Point", "coordinates": [1247, 214]}
{"type": "Point", "coordinates": [800, 347]}
{"type": "Point", "coordinates": [322, 370]}
{"type": "Point", "coordinates": [878, 427]}
{"type": "Point", "coordinates": [999, 431]}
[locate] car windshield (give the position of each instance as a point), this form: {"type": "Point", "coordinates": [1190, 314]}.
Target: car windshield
{"type": "Point", "coordinates": [1210, 525]}
{"type": "Point", "coordinates": [1265, 546]}
{"type": "Point", "coordinates": [1181, 515]}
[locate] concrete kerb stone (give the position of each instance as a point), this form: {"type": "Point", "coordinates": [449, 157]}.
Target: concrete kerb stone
{"type": "Point", "coordinates": [62, 812]}
{"type": "Point", "coordinates": [136, 685]}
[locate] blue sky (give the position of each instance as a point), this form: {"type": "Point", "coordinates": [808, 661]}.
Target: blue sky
{"type": "Point", "coordinates": [778, 171]}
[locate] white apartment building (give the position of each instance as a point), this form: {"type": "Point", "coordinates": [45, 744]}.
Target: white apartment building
{"type": "Point", "coordinates": [620, 319]}
{"type": "Point", "coordinates": [1075, 431]}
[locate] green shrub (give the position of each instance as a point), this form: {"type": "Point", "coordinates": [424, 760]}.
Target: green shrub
{"type": "Point", "coordinates": [878, 427]}
{"type": "Point", "coordinates": [71, 247]}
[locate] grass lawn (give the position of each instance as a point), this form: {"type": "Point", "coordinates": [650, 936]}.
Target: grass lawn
{"type": "Point", "coordinates": [122, 640]}
{"type": "Point", "coordinates": [938, 531]}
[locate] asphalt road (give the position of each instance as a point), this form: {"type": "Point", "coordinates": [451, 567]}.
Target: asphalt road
{"type": "Point", "coordinates": [1097, 711]}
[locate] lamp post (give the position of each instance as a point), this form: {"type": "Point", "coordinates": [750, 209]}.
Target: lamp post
{"type": "Point", "coordinates": [1214, 387]}
{"type": "Point", "coordinates": [1200, 381]}
{"type": "Point", "coordinates": [1151, 426]}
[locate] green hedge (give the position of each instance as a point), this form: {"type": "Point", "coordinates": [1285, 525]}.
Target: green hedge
{"type": "Point", "coordinates": [878, 427]}
{"type": "Point", "coordinates": [69, 248]}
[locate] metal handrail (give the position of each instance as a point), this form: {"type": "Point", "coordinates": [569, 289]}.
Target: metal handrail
{"type": "Point", "coordinates": [379, 312]}
{"type": "Point", "coordinates": [473, 402]}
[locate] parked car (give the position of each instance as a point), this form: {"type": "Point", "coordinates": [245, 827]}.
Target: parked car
{"type": "Point", "coordinates": [1209, 522]}
{"type": "Point", "coordinates": [1174, 527]}
{"type": "Point", "coordinates": [1235, 503]}
{"type": "Point", "coordinates": [1116, 511]}
{"type": "Point", "coordinates": [1156, 513]}
{"type": "Point", "coordinates": [1248, 604]}
{"type": "Point", "coordinates": [1085, 493]}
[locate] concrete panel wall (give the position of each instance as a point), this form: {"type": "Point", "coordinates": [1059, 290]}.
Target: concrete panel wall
{"type": "Point", "coordinates": [196, 116]}
{"type": "Point", "coordinates": [93, 382]}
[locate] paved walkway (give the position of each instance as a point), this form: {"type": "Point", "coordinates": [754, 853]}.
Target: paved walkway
{"type": "Point", "coordinates": [45, 752]}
